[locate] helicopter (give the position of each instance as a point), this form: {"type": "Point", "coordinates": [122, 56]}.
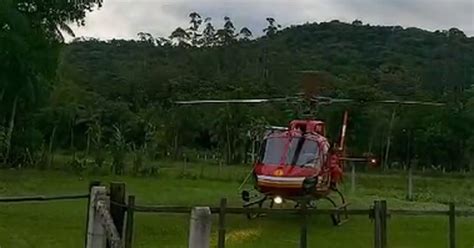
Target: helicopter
{"type": "Point", "coordinates": [299, 163]}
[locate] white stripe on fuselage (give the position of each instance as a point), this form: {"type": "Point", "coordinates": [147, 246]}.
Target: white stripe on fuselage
{"type": "Point", "coordinates": [286, 179]}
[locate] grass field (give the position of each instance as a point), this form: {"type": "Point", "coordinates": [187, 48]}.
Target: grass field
{"type": "Point", "coordinates": [62, 224]}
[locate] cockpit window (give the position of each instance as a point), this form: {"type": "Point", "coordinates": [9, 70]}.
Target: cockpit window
{"type": "Point", "coordinates": [273, 151]}
{"type": "Point", "coordinates": [308, 154]}
{"type": "Point", "coordinates": [300, 151]}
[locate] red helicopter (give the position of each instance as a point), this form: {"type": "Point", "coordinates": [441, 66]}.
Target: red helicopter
{"type": "Point", "coordinates": [298, 163]}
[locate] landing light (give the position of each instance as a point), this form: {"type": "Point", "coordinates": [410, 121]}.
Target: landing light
{"type": "Point", "coordinates": [373, 161]}
{"type": "Point", "coordinates": [277, 200]}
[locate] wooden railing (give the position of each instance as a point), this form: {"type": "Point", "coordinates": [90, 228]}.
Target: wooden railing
{"type": "Point", "coordinates": [379, 213]}
{"type": "Point", "coordinates": [101, 229]}
{"type": "Point", "coordinates": [110, 218]}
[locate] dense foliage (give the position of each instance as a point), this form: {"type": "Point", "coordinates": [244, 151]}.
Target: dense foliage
{"type": "Point", "coordinates": [117, 95]}
{"type": "Point", "coordinates": [30, 42]}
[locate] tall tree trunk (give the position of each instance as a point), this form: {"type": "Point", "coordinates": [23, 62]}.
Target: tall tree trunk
{"type": "Point", "coordinates": [253, 150]}
{"type": "Point", "coordinates": [2, 94]}
{"type": "Point", "coordinates": [176, 139]}
{"type": "Point", "coordinates": [50, 147]}
{"type": "Point", "coordinates": [11, 126]}
{"type": "Point", "coordinates": [88, 144]}
{"type": "Point", "coordinates": [389, 140]}
{"type": "Point", "coordinates": [73, 149]}
{"type": "Point", "coordinates": [371, 141]}
{"type": "Point", "coordinates": [265, 66]}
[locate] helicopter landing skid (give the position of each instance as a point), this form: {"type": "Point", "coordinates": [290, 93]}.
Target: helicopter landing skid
{"type": "Point", "coordinates": [339, 218]}
{"type": "Point", "coordinates": [259, 204]}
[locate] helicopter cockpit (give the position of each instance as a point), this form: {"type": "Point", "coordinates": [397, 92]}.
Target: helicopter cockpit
{"type": "Point", "coordinates": [296, 150]}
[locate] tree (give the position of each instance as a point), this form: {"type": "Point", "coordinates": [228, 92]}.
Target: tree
{"type": "Point", "coordinates": [162, 41]}
{"type": "Point", "coordinates": [357, 22]}
{"type": "Point", "coordinates": [194, 28]}
{"type": "Point", "coordinates": [30, 38]}
{"type": "Point", "coordinates": [51, 17]}
{"type": "Point", "coordinates": [146, 37]}
{"type": "Point", "coordinates": [245, 33]}
{"type": "Point", "coordinates": [272, 27]}
{"type": "Point", "coordinates": [396, 66]}
{"type": "Point", "coordinates": [455, 33]}
{"type": "Point", "coordinates": [226, 36]}
{"type": "Point", "coordinates": [208, 34]}
{"type": "Point", "coordinates": [180, 36]}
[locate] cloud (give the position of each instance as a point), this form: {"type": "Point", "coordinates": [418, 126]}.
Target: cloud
{"type": "Point", "coordinates": [427, 14]}
{"type": "Point", "coordinates": [125, 18]}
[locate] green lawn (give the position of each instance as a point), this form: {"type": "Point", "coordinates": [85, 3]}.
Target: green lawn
{"type": "Point", "coordinates": [62, 224]}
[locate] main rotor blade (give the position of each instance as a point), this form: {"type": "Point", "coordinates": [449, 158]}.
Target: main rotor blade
{"type": "Point", "coordinates": [329, 100]}
{"type": "Point", "coordinates": [251, 101]}
{"type": "Point", "coordinates": [410, 102]}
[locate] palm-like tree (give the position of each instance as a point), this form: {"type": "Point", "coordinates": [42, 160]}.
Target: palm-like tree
{"type": "Point", "coordinates": [272, 27]}
{"type": "Point", "coordinates": [195, 22]}
{"type": "Point", "coordinates": [226, 35]}
{"type": "Point", "coordinates": [30, 36]}
{"type": "Point", "coordinates": [19, 67]}
{"type": "Point", "coordinates": [208, 34]}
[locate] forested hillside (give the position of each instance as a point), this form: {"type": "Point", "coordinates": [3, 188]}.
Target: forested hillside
{"type": "Point", "coordinates": [116, 96]}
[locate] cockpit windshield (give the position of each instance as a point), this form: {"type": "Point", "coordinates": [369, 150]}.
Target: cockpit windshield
{"type": "Point", "coordinates": [300, 151]}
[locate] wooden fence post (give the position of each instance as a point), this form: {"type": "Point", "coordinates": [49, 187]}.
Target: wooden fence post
{"type": "Point", "coordinates": [129, 223]}
{"type": "Point", "coordinates": [200, 227]}
{"type": "Point", "coordinates": [452, 225]}
{"type": "Point", "coordinates": [117, 196]}
{"type": "Point", "coordinates": [91, 185]}
{"type": "Point", "coordinates": [304, 227]}
{"type": "Point", "coordinates": [377, 225]}
{"type": "Point", "coordinates": [96, 237]}
{"type": "Point", "coordinates": [221, 235]}
{"type": "Point", "coordinates": [383, 222]}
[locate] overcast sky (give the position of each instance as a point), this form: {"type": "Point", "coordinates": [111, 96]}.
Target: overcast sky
{"type": "Point", "coordinates": [125, 18]}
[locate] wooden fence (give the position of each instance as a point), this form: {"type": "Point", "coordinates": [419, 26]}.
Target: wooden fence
{"type": "Point", "coordinates": [110, 216]}
{"type": "Point", "coordinates": [379, 213]}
